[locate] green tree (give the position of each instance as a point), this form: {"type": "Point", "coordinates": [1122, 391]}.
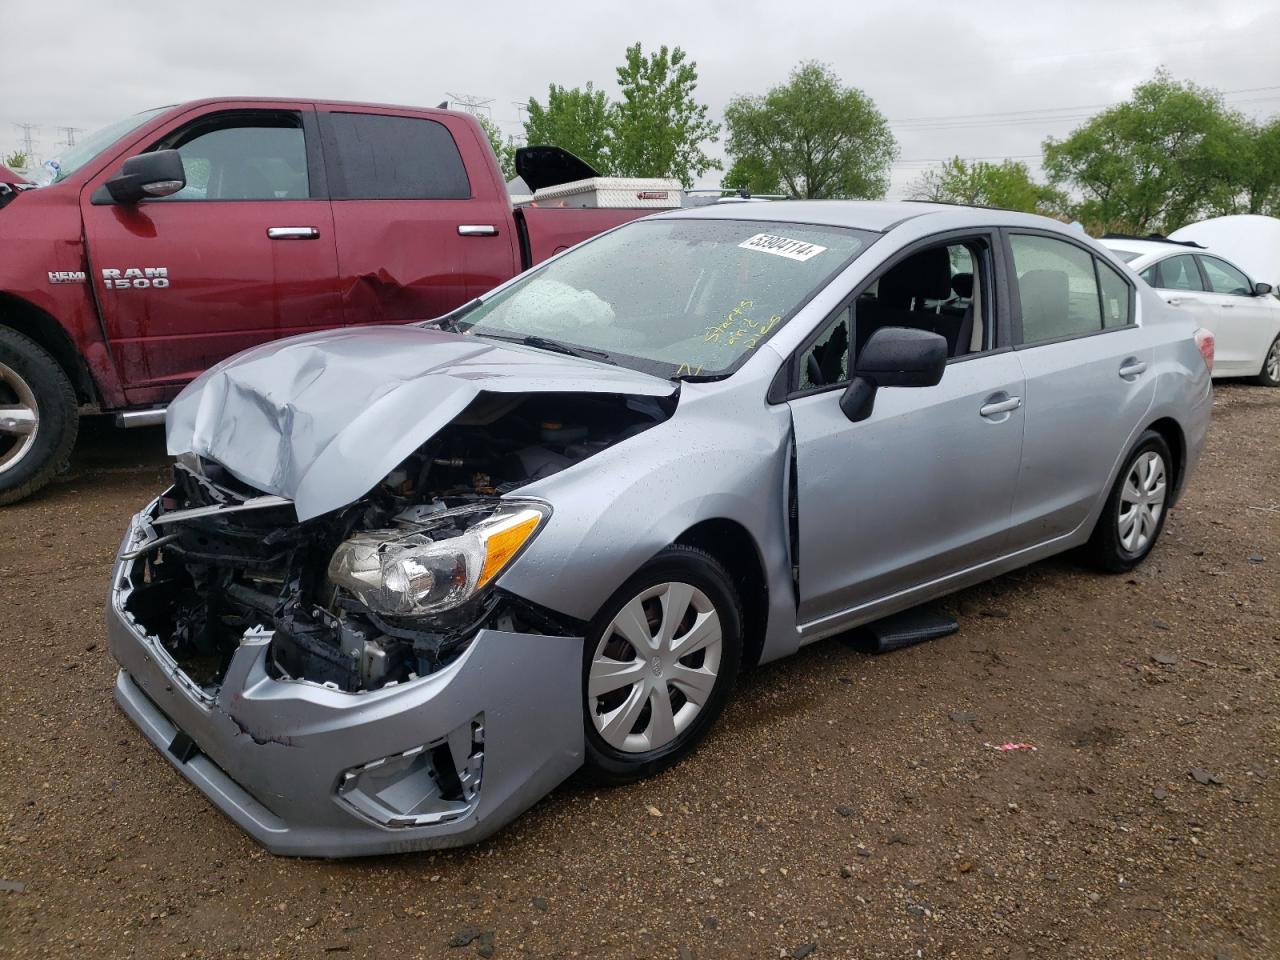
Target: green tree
{"type": "Point", "coordinates": [579, 120]}
{"type": "Point", "coordinates": [1256, 149]}
{"type": "Point", "coordinates": [504, 147]}
{"type": "Point", "coordinates": [753, 175]}
{"type": "Point", "coordinates": [659, 128]}
{"type": "Point", "coordinates": [812, 136]}
{"type": "Point", "coordinates": [16, 160]}
{"type": "Point", "coordinates": [1153, 163]}
{"type": "Point", "coordinates": [1007, 185]}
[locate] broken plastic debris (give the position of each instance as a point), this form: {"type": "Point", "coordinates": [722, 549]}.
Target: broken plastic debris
{"type": "Point", "coordinates": [1005, 747]}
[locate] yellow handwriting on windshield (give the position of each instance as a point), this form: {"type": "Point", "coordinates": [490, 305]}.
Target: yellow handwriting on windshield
{"type": "Point", "coordinates": [739, 330]}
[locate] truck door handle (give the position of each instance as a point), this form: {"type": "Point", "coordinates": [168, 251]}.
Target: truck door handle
{"type": "Point", "coordinates": [293, 233]}
{"type": "Point", "coordinates": [477, 230]}
{"type": "Point", "coordinates": [1131, 368]}
{"type": "Point", "coordinates": [999, 403]}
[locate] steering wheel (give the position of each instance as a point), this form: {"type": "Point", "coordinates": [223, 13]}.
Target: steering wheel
{"type": "Point", "coordinates": [815, 371]}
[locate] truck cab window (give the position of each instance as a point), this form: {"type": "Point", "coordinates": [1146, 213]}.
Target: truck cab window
{"type": "Point", "coordinates": [381, 157]}
{"type": "Point", "coordinates": [243, 156]}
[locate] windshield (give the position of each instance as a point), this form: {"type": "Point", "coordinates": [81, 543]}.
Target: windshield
{"type": "Point", "coordinates": [673, 297]}
{"type": "Point", "coordinates": [88, 148]}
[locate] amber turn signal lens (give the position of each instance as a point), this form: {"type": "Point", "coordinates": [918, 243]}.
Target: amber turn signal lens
{"type": "Point", "coordinates": [504, 540]}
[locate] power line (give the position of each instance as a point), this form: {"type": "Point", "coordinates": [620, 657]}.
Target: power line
{"type": "Point", "coordinates": [1048, 110]}
{"type": "Point", "coordinates": [69, 135]}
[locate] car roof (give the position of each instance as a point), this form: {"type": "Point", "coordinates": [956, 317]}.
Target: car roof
{"type": "Point", "coordinates": [879, 216]}
{"type": "Point", "coordinates": [1148, 248]}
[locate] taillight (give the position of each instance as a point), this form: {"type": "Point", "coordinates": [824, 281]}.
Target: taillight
{"type": "Point", "coordinates": [1204, 340]}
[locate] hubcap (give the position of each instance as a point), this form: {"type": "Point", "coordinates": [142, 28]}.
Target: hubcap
{"type": "Point", "coordinates": [654, 667]}
{"type": "Point", "coordinates": [1273, 361]}
{"type": "Point", "coordinates": [1141, 502]}
{"type": "Point", "coordinates": [19, 418]}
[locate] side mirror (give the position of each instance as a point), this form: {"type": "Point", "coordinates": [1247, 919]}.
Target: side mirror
{"type": "Point", "coordinates": [893, 357]}
{"type": "Point", "coordinates": [157, 174]}
{"type": "Point", "coordinates": [1261, 289]}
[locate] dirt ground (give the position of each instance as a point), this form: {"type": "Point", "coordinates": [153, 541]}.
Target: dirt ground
{"type": "Point", "coordinates": [846, 806]}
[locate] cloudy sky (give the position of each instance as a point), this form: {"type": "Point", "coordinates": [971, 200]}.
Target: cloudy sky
{"type": "Point", "coordinates": [952, 81]}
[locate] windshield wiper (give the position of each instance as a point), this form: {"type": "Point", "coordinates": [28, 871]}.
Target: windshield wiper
{"type": "Point", "coordinates": [555, 346]}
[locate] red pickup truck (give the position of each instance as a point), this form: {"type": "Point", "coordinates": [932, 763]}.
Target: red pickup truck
{"type": "Point", "coordinates": [179, 236]}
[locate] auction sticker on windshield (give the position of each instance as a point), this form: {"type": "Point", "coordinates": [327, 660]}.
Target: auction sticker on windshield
{"type": "Point", "coordinates": [782, 246]}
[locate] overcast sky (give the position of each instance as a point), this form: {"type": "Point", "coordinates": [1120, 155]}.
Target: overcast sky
{"type": "Point", "coordinates": [84, 64]}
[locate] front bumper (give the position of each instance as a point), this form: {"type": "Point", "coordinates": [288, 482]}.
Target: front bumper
{"type": "Point", "coordinates": [273, 755]}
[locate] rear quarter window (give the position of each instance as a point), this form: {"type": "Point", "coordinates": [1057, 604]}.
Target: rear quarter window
{"type": "Point", "coordinates": [381, 157]}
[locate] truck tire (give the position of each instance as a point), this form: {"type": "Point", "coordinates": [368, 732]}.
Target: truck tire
{"type": "Point", "coordinates": [39, 416]}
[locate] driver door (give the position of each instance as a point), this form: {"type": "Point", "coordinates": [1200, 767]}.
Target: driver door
{"type": "Point", "coordinates": [924, 487]}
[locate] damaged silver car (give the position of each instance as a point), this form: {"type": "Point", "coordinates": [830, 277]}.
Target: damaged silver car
{"type": "Point", "coordinates": [408, 579]}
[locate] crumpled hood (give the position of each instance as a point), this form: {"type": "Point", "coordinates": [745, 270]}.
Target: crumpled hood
{"type": "Point", "coordinates": [323, 417]}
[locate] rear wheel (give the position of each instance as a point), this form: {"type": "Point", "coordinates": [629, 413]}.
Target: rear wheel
{"type": "Point", "coordinates": [1135, 511]}
{"type": "Point", "coordinates": [39, 418]}
{"type": "Point", "coordinates": [660, 660]}
{"type": "Point", "coordinates": [1269, 375]}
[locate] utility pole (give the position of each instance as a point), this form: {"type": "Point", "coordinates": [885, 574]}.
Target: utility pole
{"type": "Point", "coordinates": [476, 106]}
{"type": "Point", "coordinates": [69, 135]}
{"type": "Point", "coordinates": [28, 141]}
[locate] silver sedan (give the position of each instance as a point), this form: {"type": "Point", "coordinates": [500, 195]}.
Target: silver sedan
{"type": "Point", "coordinates": [408, 579]}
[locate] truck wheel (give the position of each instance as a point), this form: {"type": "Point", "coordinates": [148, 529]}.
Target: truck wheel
{"type": "Point", "coordinates": [39, 416]}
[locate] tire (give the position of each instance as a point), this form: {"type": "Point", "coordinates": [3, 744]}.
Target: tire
{"type": "Point", "coordinates": [1269, 375]}
{"type": "Point", "coordinates": [661, 674]}
{"type": "Point", "coordinates": [1134, 515]}
{"type": "Point", "coordinates": [34, 447]}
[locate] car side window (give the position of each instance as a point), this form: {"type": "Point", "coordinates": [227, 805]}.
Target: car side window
{"type": "Point", "coordinates": [244, 155]}
{"type": "Point", "coordinates": [826, 362]}
{"type": "Point", "coordinates": [1174, 273]}
{"type": "Point", "coordinates": [1057, 287]}
{"type": "Point", "coordinates": [938, 289]}
{"type": "Point", "coordinates": [382, 157]}
{"type": "Point", "coordinates": [1224, 278]}
{"type": "Point", "coordinates": [1117, 305]}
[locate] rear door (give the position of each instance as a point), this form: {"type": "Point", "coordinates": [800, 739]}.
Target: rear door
{"type": "Point", "coordinates": [243, 254]}
{"type": "Point", "coordinates": [420, 230]}
{"type": "Point", "coordinates": [1245, 325]}
{"type": "Point", "coordinates": [1089, 382]}
{"type": "Point", "coordinates": [1179, 280]}
{"type": "Point", "coordinates": [923, 488]}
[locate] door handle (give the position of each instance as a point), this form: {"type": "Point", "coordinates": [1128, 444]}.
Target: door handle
{"type": "Point", "coordinates": [1175, 301]}
{"type": "Point", "coordinates": [994, 406]}
{"type": "Point", "coordinates": [293, 233]}
{"type": "Point", "coordinates": [1227, 306]}
{"type": "Point", "coordinates": [477, 230]}
{"type": "Point", "coordinates": [1131, 368]}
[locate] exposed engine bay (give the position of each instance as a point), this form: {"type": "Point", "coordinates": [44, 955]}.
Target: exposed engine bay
{"type": "Point", "coordinates": [385, 589]}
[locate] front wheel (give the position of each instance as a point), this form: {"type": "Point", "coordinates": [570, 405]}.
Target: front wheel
{"type": "Point", "coordinates": [1269, 375]}
{"type": "Point", "coordinates": [660, 659]}
{"type": "Point", "coordinates": [1136, 508]}
{"type": "Point", "coordinates": [38, 416]}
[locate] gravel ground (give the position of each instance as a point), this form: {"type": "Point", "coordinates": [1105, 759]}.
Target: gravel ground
{"type": "Point", "coordinates": [846, 805]}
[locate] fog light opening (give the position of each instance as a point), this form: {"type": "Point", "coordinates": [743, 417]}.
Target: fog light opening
{"type": "Point", "coordinates": [427, 785]}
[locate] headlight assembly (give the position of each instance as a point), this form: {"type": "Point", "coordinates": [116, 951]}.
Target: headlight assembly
{"type": "Point", "coordinates": [438, 563]}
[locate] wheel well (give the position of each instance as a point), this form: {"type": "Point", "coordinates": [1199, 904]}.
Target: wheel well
{"type": "Point", "coordinates": [730, 543]}
{"type": "Point", "coordinates": [1168, 428]}
{"type": "Point", "coordinates": [35, 324]}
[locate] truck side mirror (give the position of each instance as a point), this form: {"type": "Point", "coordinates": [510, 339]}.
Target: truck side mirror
{"type": "Point", "coordinates": [156, 174]}
{"type": "Point", "coordinates": [893, 357]}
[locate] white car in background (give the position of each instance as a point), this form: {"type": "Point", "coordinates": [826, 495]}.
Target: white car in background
{"type": "Point", "coordinates": [1244, 316]}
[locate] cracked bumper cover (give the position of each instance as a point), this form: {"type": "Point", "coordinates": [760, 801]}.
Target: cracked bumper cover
{"type": "Point", "coordinates": [272, 754]}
